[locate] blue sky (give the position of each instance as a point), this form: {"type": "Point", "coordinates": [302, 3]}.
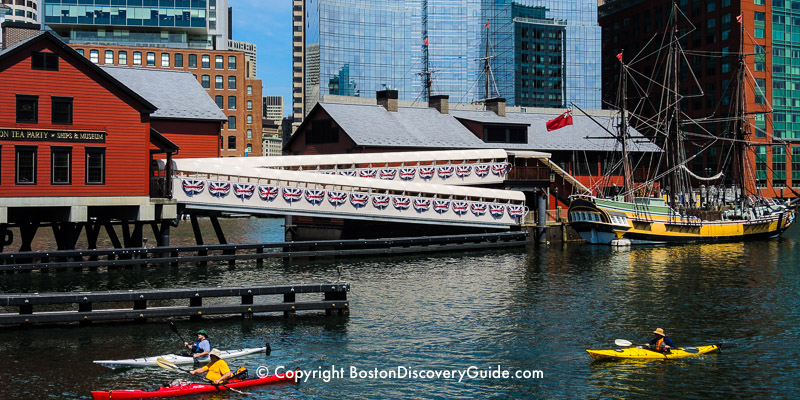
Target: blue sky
{"type": "Point", "coordinates": [268, 24]}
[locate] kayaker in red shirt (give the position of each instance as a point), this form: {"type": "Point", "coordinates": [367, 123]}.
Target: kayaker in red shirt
{"type": "Point", "coordinates": [661, 342]}
{"type": "Point", "coordinates": [218, 370]}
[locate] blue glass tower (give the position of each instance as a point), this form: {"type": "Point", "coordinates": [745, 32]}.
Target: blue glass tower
{"type": "Point", "coordinates": [397, 44]}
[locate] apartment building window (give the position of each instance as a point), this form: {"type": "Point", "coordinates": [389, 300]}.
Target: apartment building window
{"type": "Point", "coordinates": [231, 62]}
{"type": "Point", "coordinates": [249, 120]}
{"type": "Point", "coordinates": [249, 149]}
{"type": "Point", "coordinates": [205, 80]}
{"type": "Point", "coordinates": [80, 51]}
{"type": "Point", "coordinates": [232, 102]}
{"type": "Point", "coordinates": [179, 60]}
{"type": "Point", "coordinates": [231, 82]}
{"type": "Point", "coordinates": [218, 62]}
{"type": "Point", "coordinates": [109, 57]}
{"type": "Point", "coordinates": [205, 61]}
{"type": "Point", "coordinates": [151, 59]}
{"type": "Point", "coordinates": [219, 100]}
{"type": "Point", "coordinates": [249, 104]}
{"type": "Point", "coordinates": [218, 83]}
{"type": "Point", "coordinates": [249, 133]}
{"type": "Point", "coordinates": [25, 163]}
{"type": "Point", "coordinates": [122, 58]}
{"type": "Point", "coordinates": [61, 110]}
{"type": "Point", "coordinates": [137, 58]}
{"type": "Point", "coordinates": [165, 59]}
{"type": "Point", "coordinates": [95, 165]}
{"type": "Point", "coordinates": [231, 142]}
{"type": "Point", "coordinates": [192, 60]}
{"type": "Point", "coordinates": [249, 90]}
{"type": "Point", "coordinates": [94, 56]}
{"type": "Point", "coordinates": [60, 165]}
{"type": "Point", "coordinates": [232, 122]}
{"type": "Point", "coordinates": [27, 109]}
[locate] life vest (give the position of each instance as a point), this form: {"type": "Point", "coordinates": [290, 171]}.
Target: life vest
{"type": "Point", "coordinates": [659, 346]}
{"type": "Point", "coordinates": [196, 346]}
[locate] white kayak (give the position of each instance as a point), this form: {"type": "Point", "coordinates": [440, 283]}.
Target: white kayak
{"type": "Point", "coordinates": [176, 358]}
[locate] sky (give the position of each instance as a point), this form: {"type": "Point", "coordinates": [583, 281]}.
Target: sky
{"type": "Point", "coordinates": [268, 24]}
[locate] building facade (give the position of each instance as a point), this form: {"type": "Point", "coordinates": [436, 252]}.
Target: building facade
{"type": "Point", "coordinates": [708, 82]}
{"type": "Point", "coordinates": [298, 61]}
{"type": "Point", "coordinates": [196, 24]}
{"type": "Point", "coordinates": [250, 54]}
{"type": "Point", "coordinates": [20, 11]}
{"type": "Point", "coordinates": [539, 57]}
{"type": "Point", "coordinates": [273, 108]}
{"type": "Point", "coordinates": [221, 73]}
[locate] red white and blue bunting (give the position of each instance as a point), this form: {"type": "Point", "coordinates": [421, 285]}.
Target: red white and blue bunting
{"type": "Point", "coordinates": [401, 202]}
{"type": "Point", "coordinates": [460, 207]}
{"type": "Point", "coordinates": [497, 210]}
{"type": "Point", "coordinates": [268, 193]}
{"type": "Point", "coordinates": [219, 189]}
{"type": "Point", "coordinates": [380, 201]}
{"type": "Point", "coordinates": [243, 191]}
{"type": "Point", "coordinates": [407, 174]}
{"type": "Point", "coordinates": [315, 196]}
{"type": "Point", "coordinates": [427, 172]}
{"type": "Point", "coordinates": [499, 169]}
{"type": "Point", "coordinates": [292, 195]}
{"type": "Point", "coordinates": [422, 205]}
{"type": "Point", "coordinates": [337, 198]}
{"type": "Point", "coordinates": [193, 186]}
{"type": "Point", "coordinates": [463, 171]}
{"type": "Point", "coordinates": [441, 206]}
{"type": "Point", "coordinates": [347, 172]}
{"type": "Point", "coordinates": [515, 211]}
{"type": "Point", "coordinates": [445, 171]}
{"type": "Point", "coordinates": [482, 170]}
{"type": "Point", "coordinates": [478, 209]}
{"type": "Point", "coordinates": [359, 200]}
{"type": "Point", "coordinates": [368, 173]}
{"type": "Point", "coordinates": [387, 174]}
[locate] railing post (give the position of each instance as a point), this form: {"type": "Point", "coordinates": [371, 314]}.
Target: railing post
{"type": "Point", "coordinates": [289, 298]}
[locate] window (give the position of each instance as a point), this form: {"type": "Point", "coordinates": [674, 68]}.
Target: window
{"type": "Point", "coordinates": [205, 61]}
{"type": "Point", "coordinates": [109, 59]}
{"type": "Point", "coordinates": [80, 51]}
{"type": "Point", "coordinates": [505, 134]}
{"type": "Point", "coordinates": [94, 56]}
{"type": "Point", "coordinates": [219, 100]}
{"type": "Point", "coordinates": [25, 165]}
{"type": "Point", "coordinates": [322, 131]}
{"type": "Point", "coordinates": [205, 80]}
{"type": "Point", "coordinates": [122, 58]}
{"type": "Point", "coordinates": [231, 122]}
{"type": "Point", "coordinates": [218, 84]}
{"type": "Point", "coordinates": [218, 62]}
{"type": "Point", "coordinates": [165, 60]}
{"type": "Point", "coordinates": [44, 61]}
{"type": "Point", "coordinates": [27, 109]}
{"type": "Point", "coordinates": [249, 149]}
{"type": "Point", "coordinates": [761, 166]}
{"type": "Point", "coordinates": [95, 166]}
{"type": "Point", "coordinates": [60, 165]}
{"type": "Point", "coordinates": [249, 120]}
{"type": "Point", "coordinates": [179, 60]}
{"type": "Point", "coordinates": [778, 166]}
{"type": "Point", "coordinates": [249, 104]}
{"type": "Point", "coordinates": [231, 62]}
{"type": "Point", "coordinates": [231, 82]}
{"type": "Point", "coordinates": [249, 90]}
{"type": "Point", "coordinates": [192, 60]}
{"type": "Point", "coordinates": [61, 110]}
{"type": "Point", "coordinates": [137, 58]}
{"type": "Point", "coordinates": [231, 142]}
{"type": "Point", "coordinates": [151, 59]}
{"type": "Point", "coordinates": [249, 133]}
{"type": "Point", "coordinates": [232, 102]}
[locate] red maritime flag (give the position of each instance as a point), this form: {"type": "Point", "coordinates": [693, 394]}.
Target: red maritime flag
{"type": "Point", "coordinates": [739, 18]}
{"type": "Point", "coordinates": [560, 121]}
{"type": "Point", "coordinates": [426, 41]}
{"type": "Point", "coordinates": [487, 24]}
{"type": "Point", "coordinates": [619, 57]}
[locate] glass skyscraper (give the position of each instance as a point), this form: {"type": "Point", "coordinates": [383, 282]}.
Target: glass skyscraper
{"type": "Point", "coordinates": [382, 44]}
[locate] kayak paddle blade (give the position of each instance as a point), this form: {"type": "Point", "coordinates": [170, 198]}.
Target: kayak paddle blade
{"type": "Point", "coordinates": [622, 343]}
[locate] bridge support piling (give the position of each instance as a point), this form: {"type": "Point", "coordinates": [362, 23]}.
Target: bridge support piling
{"type": "Point", "coordinates": [198, 238]}
{"type": "Point", "coordinates": [541, 200]}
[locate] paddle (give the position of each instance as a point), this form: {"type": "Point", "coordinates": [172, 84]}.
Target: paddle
{"type": "Point", "coordinates": [175, 329]}
{"type": "Point", "coordinates": [626, 343]}
{"type": "Point", "coordinates": [168, 365]}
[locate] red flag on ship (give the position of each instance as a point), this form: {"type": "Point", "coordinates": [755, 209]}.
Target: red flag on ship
{"type": "Point", "coordinates": [426, 41]}
{"type": "Point", "coordinates": [560, 121]}
{"type": "Point", "coordinates": [739, 18]}
{"type": "Point", "coordinates": [487, 24]}
{"type": "Point", "coordinates": [619, 56]}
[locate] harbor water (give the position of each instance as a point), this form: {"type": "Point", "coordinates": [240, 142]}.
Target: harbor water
{"type": "Point", "coordinates": [529, 309]}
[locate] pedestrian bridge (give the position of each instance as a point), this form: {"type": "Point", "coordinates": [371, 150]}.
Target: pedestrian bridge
{"type": "Point", "coordinates": [393, 187]}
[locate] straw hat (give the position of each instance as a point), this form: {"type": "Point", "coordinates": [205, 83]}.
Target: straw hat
{"type": "Point", "coordinates": [659, 331]}
{"type": "Point", "coordinates": [215, 353]}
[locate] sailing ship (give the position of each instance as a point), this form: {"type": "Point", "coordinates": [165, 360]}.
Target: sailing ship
{"type": "Point", "coordinates": [675, 212]}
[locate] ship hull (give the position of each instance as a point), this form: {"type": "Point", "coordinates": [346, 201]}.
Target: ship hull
{"type": "Point", "coordinates": [601, 221]}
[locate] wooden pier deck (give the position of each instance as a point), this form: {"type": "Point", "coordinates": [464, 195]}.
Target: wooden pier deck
{"type": "Point", "coordinates": [136, 301]}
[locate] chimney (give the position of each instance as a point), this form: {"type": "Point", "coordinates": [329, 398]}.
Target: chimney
{"type": "Point", "coordinates": [498, 105]}
{"type": "Point", "coordinates": [440, 102]}
{"type": "Point", "coordinates": [387, 99]}
{"type": "Point", "coordinates": [15, 32]}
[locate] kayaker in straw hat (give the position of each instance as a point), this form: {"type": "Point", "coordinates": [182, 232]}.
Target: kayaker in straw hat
{"type": "Point", "coordinates": [218, 370]}
{"type": "Point", "coordinates": [201, 347]}
{"type": "Point", "coordinates": [661, 342]}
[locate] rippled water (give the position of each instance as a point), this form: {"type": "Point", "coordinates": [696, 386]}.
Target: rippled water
{"type": "Point", "coordinates": [529, 309]}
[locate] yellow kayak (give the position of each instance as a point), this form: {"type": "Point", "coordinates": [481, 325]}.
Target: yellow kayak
{"type": "Point", "coordinates": [646, 354]}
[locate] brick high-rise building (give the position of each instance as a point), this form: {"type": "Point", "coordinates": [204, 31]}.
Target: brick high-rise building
{"type": "Point", "coordinates": [711, 39]}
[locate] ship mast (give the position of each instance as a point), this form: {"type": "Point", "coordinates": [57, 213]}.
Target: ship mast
{"type": "Point", "coordinates": [672, 141]}
{"type": "Point", "coordinates": [740, 132]}
{"type": "Point", "coordinates": [623, 132]}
